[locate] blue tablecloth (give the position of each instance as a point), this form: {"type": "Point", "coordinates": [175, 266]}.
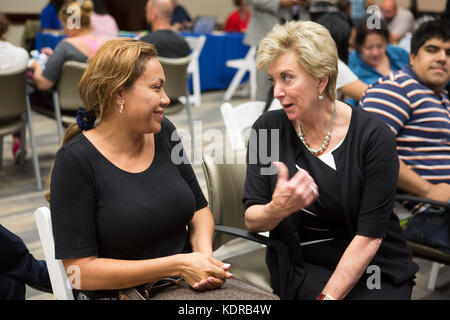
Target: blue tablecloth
{"type": "Point", "coordinates": [218, 48]}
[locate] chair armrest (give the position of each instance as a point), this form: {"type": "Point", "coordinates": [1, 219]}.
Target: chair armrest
{"type": "Point", "coordinates": [242, 234]}
{"type": "Point", "coordinates": [409, 197]}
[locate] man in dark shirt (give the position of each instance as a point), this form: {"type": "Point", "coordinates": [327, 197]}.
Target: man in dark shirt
{"type": "Point", "coordinates": [181, 19]}
{"type": "Point", "coordinates": [168, 43]}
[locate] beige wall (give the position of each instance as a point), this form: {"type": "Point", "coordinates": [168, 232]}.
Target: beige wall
{"type": "Point", "coordinates": [219, 8]}
{"type": "Point", "coordinates": [20, 6]}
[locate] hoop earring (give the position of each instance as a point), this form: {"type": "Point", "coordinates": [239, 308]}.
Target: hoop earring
{"type": "Point", "coordinates": [121, 109]}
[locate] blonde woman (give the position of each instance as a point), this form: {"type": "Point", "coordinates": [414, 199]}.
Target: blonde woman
{"type": "Point", "coordinates": [79, 45]}
{"type": "Point", "coordinates": [124, 211]}
{"type": "Point", "coordinates": [337, 176]}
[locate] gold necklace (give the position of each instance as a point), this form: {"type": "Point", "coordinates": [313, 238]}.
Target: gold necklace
{"type": "Point", "coordinates": [324, 145]}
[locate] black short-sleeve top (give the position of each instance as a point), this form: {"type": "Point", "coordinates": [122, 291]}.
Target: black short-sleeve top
{"type": "Point", "coordinates": [99, 209]}
{"type": "Point", "coordinates": [366, 172]}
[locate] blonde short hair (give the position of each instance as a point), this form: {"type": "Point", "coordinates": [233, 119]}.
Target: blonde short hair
{"type": "Point", "coordinates": [315, 48]}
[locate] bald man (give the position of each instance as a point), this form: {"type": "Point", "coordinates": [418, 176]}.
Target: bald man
{"type": "Point", "coordinates": [168, 43]}
{"type": "Point", "coordinates": [400, 20]}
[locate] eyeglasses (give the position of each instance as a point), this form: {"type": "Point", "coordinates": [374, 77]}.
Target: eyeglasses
{"type": "Point", "coordinates": [151, 289]}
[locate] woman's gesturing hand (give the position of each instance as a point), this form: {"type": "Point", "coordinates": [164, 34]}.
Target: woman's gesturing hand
{"type": "Point", "coordinates": [291, 195]}
{"type": "Point", "coordinates": [203, 272]}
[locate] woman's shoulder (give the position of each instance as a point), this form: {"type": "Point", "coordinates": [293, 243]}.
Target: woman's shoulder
{"type": "Point", "coordinates": [77, 145]}
{"type": "Point", "coordinates": [74, 151]}
{"type": "Point", "coordinates": [167, 128]}
{"type": "Point", "coordinates": [397, 53]}
{"type": "Point", "coordinates": [354, 58]}
{"type": "Point", "coordinates": [272, 119]}
{"type": "Point", "coordinates": [367, 123]}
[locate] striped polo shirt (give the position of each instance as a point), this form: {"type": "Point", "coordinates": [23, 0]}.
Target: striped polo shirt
{"type": "Point", "coordinates": [420, 120]}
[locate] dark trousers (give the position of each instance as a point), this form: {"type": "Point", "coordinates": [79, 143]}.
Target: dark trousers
{"type": "Point", "coordinates": [317, 278]}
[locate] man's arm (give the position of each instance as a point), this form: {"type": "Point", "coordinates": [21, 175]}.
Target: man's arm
{"type": "Point", "coordinates": [411, 182]}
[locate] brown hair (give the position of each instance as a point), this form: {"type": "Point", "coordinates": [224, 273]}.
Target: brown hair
{"type": "Point", "coordinates": [86, 8]}
{"type": "Point", "coordinates": [116, 65]}
{"type": "Point", "coordinates": [4, 24]}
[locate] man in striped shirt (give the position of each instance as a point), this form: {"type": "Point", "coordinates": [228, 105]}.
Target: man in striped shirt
{"type": "Point", "coordinates": [415, 105]}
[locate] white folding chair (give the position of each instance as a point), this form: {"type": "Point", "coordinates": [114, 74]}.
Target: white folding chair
{"type": "Point", "coordinates": [239, 118]}
{"type": "Point", "coordinates": [247, 64]}
{"type": "Point", "coordinates": [196, 44]}
{"type": "Point", "coordinates": [62, 289]}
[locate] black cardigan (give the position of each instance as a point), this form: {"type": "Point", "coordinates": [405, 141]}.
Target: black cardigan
{"type": "Point", "coordinates": [367, 167]}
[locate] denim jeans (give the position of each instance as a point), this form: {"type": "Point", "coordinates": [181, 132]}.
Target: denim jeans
{"type": "Point", "coordinates": [430, 227]}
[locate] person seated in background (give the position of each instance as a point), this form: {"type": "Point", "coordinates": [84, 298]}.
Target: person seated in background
{"type": "Point", "coordinates": [374, 57]}
{"type": "Point", "coordinates": [113, 184]}
{"type": "Point", "coordinates": [79, 45]}
{"type": "Point", "coordinates": [332, 179]}
{"type": "Point", "coordinates": [181, 20]}
{"type": "Point", "coordinates": [49, 16]}
{"type": "Point", "coordinates": [358, 11]}
{"type": "Point", "coordinates": [18, 268]}
{"type": "Point", "coordinates": [238, 20]}
{"type": "Point", "coordinates": [103, 24]}
{"type": "Point", "coordinates": [348, 84]}
{"type": "Point", "coordinates": [340, 26]}
{"type": "Point", "coordinates": [341, 29]}
{"type": "Point", "coordinates": [400, 20]}
{"type": "Point", "coordinates": [12, 59]}
{"type": "Point", "coordinates": [413, 102]}
{"type": "Point", "coordinates": [168, 43]}
{"type": "Point", "coordinates": [265, 15]}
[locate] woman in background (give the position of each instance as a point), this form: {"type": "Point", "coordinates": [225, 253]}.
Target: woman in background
{"type": "Point", "coordinates": [49, 16]}
{"type": "Point", "coordinates": [103, 24]}
{"type": "Point", "coordinates": [12, 59]}
{"type": "Point", "coordinates": [238, 20]}
{"type": "Point", "coordinates": [374, 57]}
{"type": "Point", "coordinates": [79, 45]}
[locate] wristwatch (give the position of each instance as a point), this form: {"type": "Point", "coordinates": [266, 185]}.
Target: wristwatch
{"type": "Point", "coordinates": [324, 296]}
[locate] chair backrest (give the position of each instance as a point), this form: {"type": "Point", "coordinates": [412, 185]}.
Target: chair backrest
{"type": "Point", "coordinates": [13, 93]}
{"type": "Point", "coordinates": [239, 118]}
{"type": "Point", "coordinates": [71, 74]}
{"type": "Point", "coordinates": [175, 70]}
{"type": "Point", "coordinates": [225, 184]}
{"type": "Point", "coordinates": [196, 44]}
{"type": "Point", "coordinates": [62, 289]}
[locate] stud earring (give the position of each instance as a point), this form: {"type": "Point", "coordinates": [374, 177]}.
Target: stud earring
{"type": "Point", "coordinates": [121, 109]}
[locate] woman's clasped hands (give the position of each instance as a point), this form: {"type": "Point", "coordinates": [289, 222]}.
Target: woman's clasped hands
{"type": "Point", "coordinates": [203, 272]}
